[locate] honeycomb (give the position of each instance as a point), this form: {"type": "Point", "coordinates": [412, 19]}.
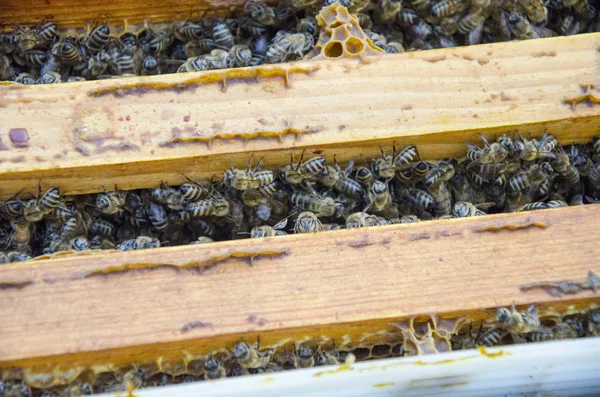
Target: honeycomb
{"type": "Point", "coordinates": [341, 36]}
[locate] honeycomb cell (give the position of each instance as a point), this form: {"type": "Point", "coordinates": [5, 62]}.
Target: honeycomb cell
{"type": "Point", "coordinates": [362, 353]}
{"type": "Point", "coordinates": [354, 45]}
{"type": "Point", "coordinates": [333, 49]}
{"type": "Point", "coordinates": [380, 350]}
{"type": "Point", "coordinates": [341, 36]}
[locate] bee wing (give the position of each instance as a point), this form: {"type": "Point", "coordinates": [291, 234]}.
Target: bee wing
{"type": "Point", "coordinates": [281, 224]}
{"type": "Point", "coordinates": [485, 206]}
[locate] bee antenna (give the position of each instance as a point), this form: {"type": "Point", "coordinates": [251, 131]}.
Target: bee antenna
{"type": "Point", "coordinates": [300, 161]}
{"type": "Point", "coordinates": [244, 233]}
{"type": "Point", "coordinates": [368, 206]}
{"type": "Point", "coordinates": [485, 141]}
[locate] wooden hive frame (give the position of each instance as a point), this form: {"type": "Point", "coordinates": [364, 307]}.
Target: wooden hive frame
{"type": "Point", "coordinates": [137, 132]}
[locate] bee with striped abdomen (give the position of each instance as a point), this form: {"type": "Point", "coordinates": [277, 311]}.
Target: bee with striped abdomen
{"type": "Point", "coordinates": [35, 209]}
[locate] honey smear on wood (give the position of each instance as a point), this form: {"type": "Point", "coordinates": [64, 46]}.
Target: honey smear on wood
{"type": "Point", "coordinates": [291, 30]}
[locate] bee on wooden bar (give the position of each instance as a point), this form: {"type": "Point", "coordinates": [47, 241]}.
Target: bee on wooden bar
{"type": "Point", "coordinates": [519, 322]}
{"type": "Point", "coordinates": [250, 357]}
{"type": "Point", "coordinates": [34, 210]}
{"type": "Point", "coordinates": [304, 357]}
{"type": "Point", "coordinates": [307, 222]}
{"type": "Point", "coordinates": [269, 231]}
{"type": "Point", "coordinates": [141, 242]}
{"type": "Point", "coordinates": [213, 369]}
{"type": "Point", "coordinates": [249, 179]}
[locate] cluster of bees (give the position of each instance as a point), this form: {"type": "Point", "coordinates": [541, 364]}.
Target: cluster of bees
{"type": "Point", "coordinates": [273, 34]}
{"type": "Point", "coordinates": [507, 175]}
{"type": "Point", "coordinates": [509, 327]}
{"type": "Point", "coordinates": [513, 326]}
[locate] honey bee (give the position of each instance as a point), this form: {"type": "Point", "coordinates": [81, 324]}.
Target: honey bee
{"type": "Point", "coordinates": [594, 323]}
{"type": "Point", "coordinates": [494, 153]}
{"type": "Point", "coordinates": [541, 334]}
{"type": "Point", "coordinates": [213, 369]}
{"type": "Point", "coordinates": [79, 243]}
{"type": "Point", "coordinates": [222, 35]}
{"type": "Point", "coordinates": [421, 6]}
{"type": "Point", "coordinates": [240, 55]}
{"type": "Point", "coordinates": [595, 176]}
{"type": "Point", "coordinates": [394, 47]}
{"type": "Point", "coordinates": [304, 357]}
{"type": "Point", "coordinates": [308, 25]}
{"type": "Point", "coordinates": [331, 226]}
{"type": "Point", "coordinates": [384, 167]}
{"type": "Point", "coordinates": [142, 242]}
{"type": "Point", "coordinates": [15, 389]}
{"type": "Point", "coordinates": [378, 198]}
{"type": "Point", "coordinates": [360, 219]}
{"type": "Point", "coordinates": [261, 12]}
{"type": "Point", "coordinates": [497, 191]}
{"type": "Point", "coordinates": [268, 231]}
{"type": "Point", "coordinates": [97, 38]}
{"type": "Point", "coordinates": [517, 322]}
{"type": "Point", "coordinates": [409, 219]}
{"type": "Point", "coordinates": [249, 179]}
{"type": "Point", "coordinates": [11, 209]}
{"type": "Point", "coordinates": [211, 207]}
{"type": "Point", "coordinates": [218, 59]}
{"type": "Point", "coordinates": [21, 236]}
{"type": "Point", "coordinates": [110, 203]}
{"type": "Point", "coordinates": [289, 46]}
{"type": "Point", "coordinates": [13, 256]}
{"type": "Point", "coordinates": [443, 172]}
{"type": "Point", "coordinates": [387, 11]}
{"type": "Point", "coordinates": [187, 31]}
{"type": "Point", "coordinates": [333, 177]}
{"type": "Point", "coordinates": [295, 174]}
{"type": "Point", "coordinates": [536, 174]}
{"type": "Point", "coordinates": [491, 337]}
{"type": "Point", "coordinates": [193, 191]}
{"type": "Point", "coordinates": [7, 72]}
{"type": "Point", "coordinates": [101, 243]}
{"type": "Point", "coordinates": [521, 27]}
{"type": "Point", "coordinates": [103, 227]}
{"type": "Point", "coordinates": [536, 11]}
{"type": "Point", "coordinates": [365, 177]}
{"type": "Point", "coordinates": [446, 8]}
{"type": "Point", "coordinates": [157, 215]}
{"type": "Point", "coordinates": [307, 222]}
{"type": "Point", "coordinates": [172, 198]}
{"type": "Point", "coordinates": [421, 199]}
{"type": "Point", "coordinates": [443, 199]}
{"type": "Point", "coordinates": [34, 210]}
{"type": "Point", "coordinates": [249, 357]}
{"type": "Point", "coordinates": [562, 331]}
{"type": "Point", "coordinates": [465, 209]}
{"type": "Point", "coordinates": [324, 206]}
{"type": "Point", "coordinates": [468, 341]}
{"type": "Point", "coordinates": [194, 64]}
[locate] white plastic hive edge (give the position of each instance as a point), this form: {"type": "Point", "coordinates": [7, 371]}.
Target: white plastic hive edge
{"type": "Point", "coordinates": [563, 368]}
